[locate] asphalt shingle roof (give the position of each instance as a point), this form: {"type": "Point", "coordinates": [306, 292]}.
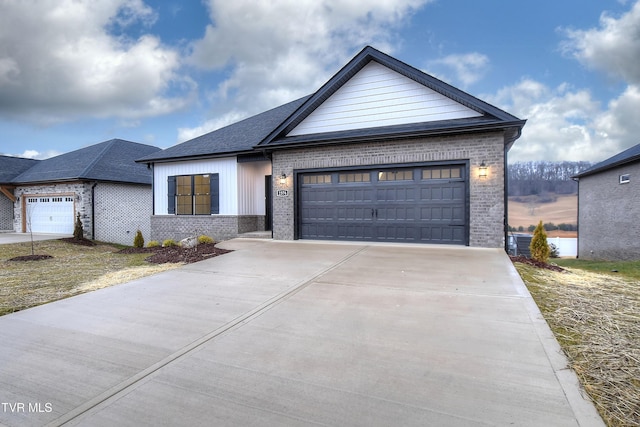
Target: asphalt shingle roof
{"type": "Point", "coordinates": [10, 167]}
{"type": "Point", "coordinates": [112, 160]}
{"type": "Point", "coordinates": [627, 156]}
{"type": "Point", "coordinates": [235, 138]}
{"type": "Point", "coordinates": [268, 130]}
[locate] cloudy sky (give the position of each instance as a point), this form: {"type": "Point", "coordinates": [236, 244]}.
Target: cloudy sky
{"type": "Point", "coordinates": [78, 72]}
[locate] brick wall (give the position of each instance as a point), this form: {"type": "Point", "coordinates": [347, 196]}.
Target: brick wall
{"type": "Point", "coordinates": [486, 222]}
{"type": "Point", "coordinates": [219, 227]}
{"type": "Point", "coordinates": [608, 214]}
{"type": "Point", "coordinates": [79, 190]}
{"type": "Point", "coordinates": [120, 210]}
{"type": "Point", "coordinates": [6, 213]}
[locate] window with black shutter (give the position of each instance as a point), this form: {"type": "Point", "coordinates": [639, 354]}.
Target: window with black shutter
{"type": "Point", "coordinates": [193, 194]}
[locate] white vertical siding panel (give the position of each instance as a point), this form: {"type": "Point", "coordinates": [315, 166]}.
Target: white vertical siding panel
{"type": "Point", "coordinates": [377, 96]}
{"type": "Point", "coordinates": [225, 167]}
{"type": "Point", "coordinates": [251, 187]}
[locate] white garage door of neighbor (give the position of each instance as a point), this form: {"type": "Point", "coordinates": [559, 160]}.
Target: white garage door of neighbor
{"type": "Point", "coordinates": [50, 215]}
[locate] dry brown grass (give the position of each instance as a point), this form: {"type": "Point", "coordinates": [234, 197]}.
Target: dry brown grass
{"type": "Point", "coordinates": [73, 270]}
{"type": "Point", "coordinates": [596, 319]}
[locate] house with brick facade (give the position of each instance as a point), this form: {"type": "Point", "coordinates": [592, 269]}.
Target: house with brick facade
{"type": "Point", "coordinates": [102, 182]}
{"type": "Point", "coordinates": [381, 152]}
{"type": "Point", "coordinates": [609, 208]}
{"type": "Point", "coordinates": [10, 167]}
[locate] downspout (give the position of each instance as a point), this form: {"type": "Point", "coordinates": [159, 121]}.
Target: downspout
{"type": "Point", "coordinates": [506, 202]}
{"type": "Point", "coordinates": [93, 210]}
{"type": "Point", "coordinates": [508, 143]}
{"type": "Point", "coordinates": [153, 189]}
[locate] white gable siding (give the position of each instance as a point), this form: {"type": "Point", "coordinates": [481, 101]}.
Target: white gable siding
{"type": "Point", "coordinates": [377, 96]}
{"type": "Point", "coordinates": [251, 199]}
{"type": "Point", "coordinates": [227, 168]}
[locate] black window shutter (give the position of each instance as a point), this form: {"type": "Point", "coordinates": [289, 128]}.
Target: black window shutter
{"type": "Point", "coordinates": [171, 195]}
{"type": "Point", "coordinates": [214, 183]}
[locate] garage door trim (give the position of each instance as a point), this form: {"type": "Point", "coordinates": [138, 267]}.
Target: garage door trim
{"type": "Point", "coordinates": [298, 173]}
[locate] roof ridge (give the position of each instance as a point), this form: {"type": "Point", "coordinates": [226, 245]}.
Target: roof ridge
{"type": "Point", "coordinates": [108, 145]}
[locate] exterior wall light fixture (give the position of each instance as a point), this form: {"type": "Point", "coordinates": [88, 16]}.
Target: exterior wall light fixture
{"type": "Point", "coordinates": [482, 170]}
{"type": "Point", "coordinates": [283, 178]}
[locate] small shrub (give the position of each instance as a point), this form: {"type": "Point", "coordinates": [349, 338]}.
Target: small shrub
{"type": "Point", "coordinates": [153, 244]}
{"type": "Point", "coordinates": [539, 246]}
{"type": "Point", "coordinates": [205, 239]}
{"type": "Point", "coordinates": [78, 231]}
{"type": "Point", "coordinates": [138, 241]}
{"type": "Point", "coordinates": [553, 251]}
{"type": "Point", "coordinates": [168, 243]}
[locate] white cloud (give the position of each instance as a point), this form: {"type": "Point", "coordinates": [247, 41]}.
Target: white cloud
{"type": "Point", "coordinates": [281, 50]}
{"type": "Point", "coordinates": [35, 154]}
{"type": "Point", "coordinates": [567, 124]}
{"type": "Point", "coordinates": [468, 68]}
{"type": "Point", "coordinates": [72, 59]}
{"type": "Point", "coordinates": [613, 47]}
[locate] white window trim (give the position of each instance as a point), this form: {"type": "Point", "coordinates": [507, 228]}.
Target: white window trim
{"type": "Point", "coordinates": [625, 178]}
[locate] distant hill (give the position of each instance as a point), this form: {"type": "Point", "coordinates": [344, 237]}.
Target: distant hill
{"type": "Point", "coordinates": [527, 211]}
{"type": "Point", "coordinates": [540, 177]}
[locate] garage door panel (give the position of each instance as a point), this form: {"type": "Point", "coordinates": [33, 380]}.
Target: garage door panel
{"type": "Point", "coordinates": [352, 231]}
{"type": "Point", "coordinates": [50, 214]}
{"type": "Point", "coordinates": [404, 205]}
{"type": "Point", "coordinates": [354, 214]}
{"type": "Point", "coordinates": [354, 195]}
{"type": "Point", "coordinates": [397, 213]}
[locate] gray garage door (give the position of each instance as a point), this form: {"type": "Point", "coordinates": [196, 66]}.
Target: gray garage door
{"type": "Point", "coordinates": [416, 204]}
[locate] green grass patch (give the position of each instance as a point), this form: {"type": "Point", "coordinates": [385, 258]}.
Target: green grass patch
{"type": "Point", "coordinates": [629, 269]}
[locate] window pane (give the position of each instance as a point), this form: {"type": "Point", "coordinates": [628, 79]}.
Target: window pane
{"type": "Point", "coordinates": [201, 184]}
{"type": "Point", "coordinates": [316, 179]}
{"type": "Point", "coordinates": [403, 175]}
{"type": "Point", "coordinates": [446, 173]}
{"type": "Point", "coordinates": [184, 205]}
{"type": "Point", "coordinates": [355, 177]}
{"type": "Point", "coordinates": [203, 204]}
{"type": "Point", "coordinates": [183, 185]}
{"type": "Point", "coordinates": [455, 173]}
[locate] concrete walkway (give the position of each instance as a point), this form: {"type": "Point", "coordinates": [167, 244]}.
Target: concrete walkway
{"type": "Point", "coordinates": [296, 333]}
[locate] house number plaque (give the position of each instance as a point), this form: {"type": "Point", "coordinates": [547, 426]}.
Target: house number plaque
{"type": "Point", "coordinates": [282, 193]}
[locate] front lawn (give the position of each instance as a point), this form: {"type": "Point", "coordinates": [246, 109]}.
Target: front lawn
{"type": "Point", "coordinates": [74, 269]}
{"type": "Point", "coordinates": [595, 315]}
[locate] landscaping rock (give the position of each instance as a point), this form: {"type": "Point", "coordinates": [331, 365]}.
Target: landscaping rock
{"type": "Point", "coordinates": [189, 242]}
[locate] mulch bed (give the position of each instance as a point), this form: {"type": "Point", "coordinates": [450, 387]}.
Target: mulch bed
{"type": "Point", "coordinates": [174, 254]}
{"type": "Point", "coordinates": [31, 258]}
{"type": "Point", "coordinates": [533, 262]}
{"type": "Point", "coordinates": [81, 242]}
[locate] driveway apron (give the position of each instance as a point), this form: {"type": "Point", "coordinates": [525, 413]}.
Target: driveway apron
{"type": "Point", "coordinates": [296, 333]}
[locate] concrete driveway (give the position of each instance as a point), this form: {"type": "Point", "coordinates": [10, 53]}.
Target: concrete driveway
{"type": "Point", "coordinates": [296, 333]}
{"type": "Point", "coordinates": [6, 238]}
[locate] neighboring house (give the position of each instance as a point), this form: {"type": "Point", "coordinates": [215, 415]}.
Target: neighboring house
{"type": "Point", "coordinates": [609, 208]}
{"type": "Point", "coordinates": [101, 182]}
{"type": "Point", "coordinates": [381, 152]}
{"type": "Point", "coordinates": [10, 167]}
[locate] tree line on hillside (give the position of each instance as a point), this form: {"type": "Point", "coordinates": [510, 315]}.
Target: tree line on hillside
{"type": "Point", "coordinates": [540, 177]}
